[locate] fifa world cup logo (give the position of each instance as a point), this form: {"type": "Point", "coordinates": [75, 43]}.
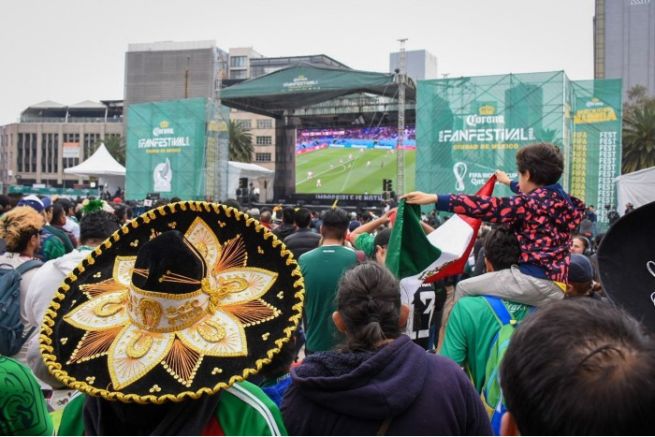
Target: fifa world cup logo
{"type": "Point", "coordinates": [459, 170]}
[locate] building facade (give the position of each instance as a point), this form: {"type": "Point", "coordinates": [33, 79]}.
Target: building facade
{"type": "Point", "coordinates": [171, 70]}
{"type": "Point", "coordinates": [624, 42]}
{"type": "Point", "coordinates": [51, 137]}
{"type": "Point", "coordinates": [420, 64]}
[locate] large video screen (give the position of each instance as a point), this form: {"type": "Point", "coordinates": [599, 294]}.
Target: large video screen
{"type": "Point", "coordinates": [352, 161]}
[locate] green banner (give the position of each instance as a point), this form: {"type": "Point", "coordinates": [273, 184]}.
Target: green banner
{"type": "Point", "coordinates": [596, 150]}
{"type": "Point", "coordinates": [166, 149]}
{"type": "Point", "coordinates": [468, 127]}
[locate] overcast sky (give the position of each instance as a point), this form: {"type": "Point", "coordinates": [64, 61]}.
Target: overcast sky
{"type": "Point", "coordinates": [74, 50]}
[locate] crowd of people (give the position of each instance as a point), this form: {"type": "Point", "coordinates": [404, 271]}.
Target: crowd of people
{"type": "Point", "coordinates": [526, 340]}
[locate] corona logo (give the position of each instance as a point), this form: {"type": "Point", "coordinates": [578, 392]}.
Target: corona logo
{"type": "Point", "coordinates": [594, 102]}
{"type": "Point", "coordinates": [163, 129]}
{"type": "Point", "coordinates": [487, 110]}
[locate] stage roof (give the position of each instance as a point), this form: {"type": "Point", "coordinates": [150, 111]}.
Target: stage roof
{"type": "Point", "coordinates": [303, 85]}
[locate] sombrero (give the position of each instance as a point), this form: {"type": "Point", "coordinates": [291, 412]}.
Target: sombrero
{"type": "Point", "coordinates": [184, 300]}
{"type": "Point", "coordinates": [626, 263]}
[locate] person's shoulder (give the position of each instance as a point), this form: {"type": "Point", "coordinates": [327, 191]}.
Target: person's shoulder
{"type": "Point", "coordinates": [292, 236]}
{"type": "Point", "coordinates": [309, 255]}
{"type": "Point", "coordinates": [259, 414]}
{"type": "Point", "coordinates": [472, 304]}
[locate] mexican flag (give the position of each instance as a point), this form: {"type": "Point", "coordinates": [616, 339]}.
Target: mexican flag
{"type": "Point", "coordinates": [416, 258]}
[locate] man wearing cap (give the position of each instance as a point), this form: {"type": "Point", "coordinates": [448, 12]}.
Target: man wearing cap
{"type": "Point", "coordinates": [51, 246]}
{"type": "Point", "coordinates": [160, 326]}
{"type": "Point", "coordinates": [581, 277]}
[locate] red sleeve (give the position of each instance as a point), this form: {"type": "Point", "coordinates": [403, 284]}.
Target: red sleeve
{"type": "Point", "coordinates": [488, 209]}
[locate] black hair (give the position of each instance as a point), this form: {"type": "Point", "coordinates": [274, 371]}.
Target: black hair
{"type": "Point", "coordinates": [58, 213]}
{"type": "Point", "coordinates": [382, 238]}
{"type": "Point", "coordinates": [368, 301]}
{"type": "Point", "coordinates": [501, 248]}
{"type": "Point", "coordinates": [580, 366]}
{"type": "Point", "coordinates": [544, 161]}
{"type": "Point", "coordinates": [233, 203]}
{"type": "Point", "coordinates": [4, 201]}
{"type": "Point", "coordinates": [65, 203]}
{"type": "Point", "coordinates": [585, 241]}
{"type": "Point", "coordinates": [23, 240]}
{"type": "Point", "coordinates": [287, 215]}
{"type": "Point", "coordinates": [281, 362]}
{"type": "Point", "coordinates": [122, 211]}
{"type": "Point", "coordinates": [302, 218]}
{"type": "Point", "coordinates": [335, 223]}
{"type": "Point", "coordinates": [98, 225]}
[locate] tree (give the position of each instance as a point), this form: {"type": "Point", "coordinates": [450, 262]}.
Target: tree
{"type": "Point", "coordinates": [638, 131]}
{"type": "Point", "coordinates": [241, 148]}
{"type": "Point", "coordinates": [116, 147]}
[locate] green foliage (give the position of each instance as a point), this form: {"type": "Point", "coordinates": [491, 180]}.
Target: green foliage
{"type": "Point", "coordinates": [638, 131]}
{"type": "Point", "coordinates": [115, 145]}
{"type": "Point", "coordinates": [241, 148]}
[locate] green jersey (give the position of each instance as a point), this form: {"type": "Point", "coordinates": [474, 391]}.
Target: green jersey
{"type": "Point", "coordinates": [322, 269]}
{"type": "Point", "coordinates": [243, 409]}
{"type": "Point", "coordinates": [470, 331]}
{"type": "Point", "coordinates": [23, 410]}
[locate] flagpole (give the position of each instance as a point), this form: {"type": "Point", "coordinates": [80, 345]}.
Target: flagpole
{"type": "Point", "coordinates": [400, 152]}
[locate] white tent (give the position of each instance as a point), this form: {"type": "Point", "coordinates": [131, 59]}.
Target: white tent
{"type": "Point", "coordinates": [260, 176]}
{"type": "Point", "coordinates": [103, 166]}
{"type": "Point", "coordinates": [637, 188]}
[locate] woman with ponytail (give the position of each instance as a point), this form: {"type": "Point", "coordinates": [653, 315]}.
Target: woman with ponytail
{"type": "Point", "coordinates": [379, 381]}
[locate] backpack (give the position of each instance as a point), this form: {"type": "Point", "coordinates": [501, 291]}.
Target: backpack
{"type": "Point", "coordinates": [492, 395]}
{"type": "Point", "coordinates": [12, 335]}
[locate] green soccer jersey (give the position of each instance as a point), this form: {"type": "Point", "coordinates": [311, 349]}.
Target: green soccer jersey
{"type": "Point", "coordinates": [322, 269]}
{"type": "Point", "coordinates": [243, 409]}
{"type": "Point", "coordinates": [470, 331]}
{"type": "Point", "coordinates": [23, 410]}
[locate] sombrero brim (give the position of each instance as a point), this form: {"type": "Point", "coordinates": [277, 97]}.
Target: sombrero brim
{"type": "Point", "coordinates": [626, 262]}
{"type": "Point", "coordinates": [88, 327]}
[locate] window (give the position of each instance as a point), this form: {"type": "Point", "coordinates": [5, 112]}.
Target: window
{"type": "Point", "coordinates": [263, 157]}
{"type": "Point", "coordinates": [264, 141]}
{"type": "Point", "coordinates": [238, 61]}
{"type": "Point", "coordinates": [266, 123]}
{"type": "Point", "coordinates": [49, 153]}
{"type": "Point", "coordinates": [245, 124]}
{"type": "Point", "coordinates": [238, 74]}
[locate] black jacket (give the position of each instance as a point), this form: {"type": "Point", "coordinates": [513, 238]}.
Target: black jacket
{"type": "Point", "coordinates": [301, 241]}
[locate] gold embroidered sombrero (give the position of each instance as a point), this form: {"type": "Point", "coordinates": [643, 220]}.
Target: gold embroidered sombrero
{"type": "Point", "coordinates": [182, 301]}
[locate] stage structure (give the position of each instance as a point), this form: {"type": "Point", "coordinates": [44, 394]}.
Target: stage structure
{"type": "Point", "coordinates": [177, 148]}
{"type": "Point", "coordinates": [468, 127]}
{"type": "Point", "coordinates": [306, 97]}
